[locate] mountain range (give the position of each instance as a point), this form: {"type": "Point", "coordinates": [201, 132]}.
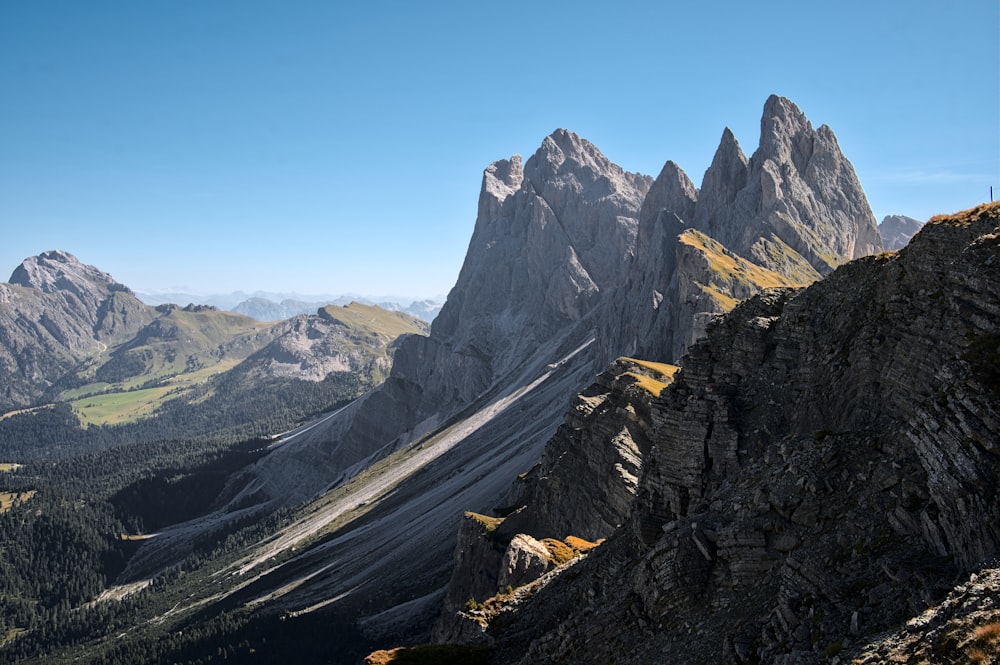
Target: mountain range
{"type": "Point", "coordinates": [267, 306]}
{"type": "Point", "coordinates": [554, 268]}
{"type": "Point", "coordinates": [788, 449]}
{"type": "Point", "coordinates": [71, 333]}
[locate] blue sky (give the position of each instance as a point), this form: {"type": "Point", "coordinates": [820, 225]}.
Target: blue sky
{"type": "Point", "coordinates": [328, 147]}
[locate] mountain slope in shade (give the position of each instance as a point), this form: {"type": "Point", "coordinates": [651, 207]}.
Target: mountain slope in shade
{"type": "Point", "coordinates": [822, 469]}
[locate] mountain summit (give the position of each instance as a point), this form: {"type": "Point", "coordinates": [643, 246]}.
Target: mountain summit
{"type": "Point", "coordinates": [56, 313]}
{"type": "Point", "coordinates": [784, 217]}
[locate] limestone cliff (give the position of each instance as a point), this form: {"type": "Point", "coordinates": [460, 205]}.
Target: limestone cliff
{"type": "Point", "coordinates": [552, 236]}
{"type": "Point", "coordinates": [792, 212]}
{"type": "Point", "coordinates": [823, 468]}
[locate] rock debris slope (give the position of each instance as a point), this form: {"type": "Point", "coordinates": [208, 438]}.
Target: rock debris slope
{"type": "Point", "coordinates": [462, 411]}
{"type": "Point", "coordinates": [823, 468]}
{"type": "Point", "coordinates": [550, 239]}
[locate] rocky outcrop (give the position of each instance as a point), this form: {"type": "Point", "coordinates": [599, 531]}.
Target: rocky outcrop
{"type": "Point", "coordinates": [794, 210]}
{"type": "Point", "coordinates": [355, 338]}
{"type": "Point", "coordinates": [823, 468]}
{"type": "Point", "coordinates": [582, 490]}
{"type": "Point", "coordinates": [964, 627]}
{"type": "Point", "coordinates": [586, 481]}
{"type": "Point", "coordinates": [56, 313]}
{"type": "Point", "coordinates": [896, 230]}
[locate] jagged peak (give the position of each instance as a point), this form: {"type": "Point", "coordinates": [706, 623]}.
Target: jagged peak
{"type": "Point", "coordinates": [55, 269]}
{"type": "Point", "coordinates": [563, 151]}
{"type": "Point", "coordinates": [672, 191]}
{"type": "Point", "coordinates": [786, 135]}
{"type": "Point", "coordinates": [781, 111]}
{"type": "Point", "coordinates": [727, 173]}
{"type": "Point", "coordinates": [503, 177]}
{"type": "Point", "coordinates": [729, 148]}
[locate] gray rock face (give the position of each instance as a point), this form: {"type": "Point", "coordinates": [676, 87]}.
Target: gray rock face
{"type": "Point", "coordinates": [551, 238]}
{"type": "Point", "coordinates": [586, 482]}
{"type": "Point", "coordinates": [525, 560]}
{"type": "Point", "coordinates": [794, 209]}
{"type": "Point", "coordinates": [56, 313]}
{"type": "Point", "coordinates": [824, 466]}
{"type": "Point", "coordinates": [896, 230]}
{"type": "Point", "coordinates": [337, 339]}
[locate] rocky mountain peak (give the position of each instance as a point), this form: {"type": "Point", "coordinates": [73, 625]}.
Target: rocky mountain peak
{"type": "Point", "coordinates": [57, 270]}
{"type": "Point", "coordinates": [896, 230]}
{"type": "Point", "coordinates": [786, 216]}
{"type": "Point", "coordinates": [672, 191]}
{"type": "Point", "coordinates": [785, 132]}
{"type": "Point", "coordinates": [504, 176]}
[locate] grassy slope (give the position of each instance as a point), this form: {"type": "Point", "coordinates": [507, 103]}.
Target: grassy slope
{"type": "Point", "coordinates": [728, 270]}
{"type": "Point", "coordinates": [374, 320]}
{"type": "Point", "coordinates": [178, 351]}
{"type": "Point", "coordinates": [184, 349]}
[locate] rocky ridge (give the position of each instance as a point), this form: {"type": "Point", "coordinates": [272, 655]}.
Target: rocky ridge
{"type": "Point", "coordinates": [791, 213]}
{"type": "Point", "coordinates": [822, 469]}
{"type": "Point", "coordinates": [578, 494]}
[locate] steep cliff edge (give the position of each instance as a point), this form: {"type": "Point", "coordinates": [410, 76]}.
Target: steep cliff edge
{"type": "Point", "coordinates": [578, 494]}
{"type": "Point", "coordinates": [792, 212]}
{"type": "Point", "coordinates": [823, 468]}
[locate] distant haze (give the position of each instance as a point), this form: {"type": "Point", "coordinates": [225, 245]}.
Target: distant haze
{"type": "Point", "coordinates": [338, 148]}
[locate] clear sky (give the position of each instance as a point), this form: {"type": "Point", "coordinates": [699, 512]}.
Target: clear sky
{"type": "Point", "coordinates": [330, 147]}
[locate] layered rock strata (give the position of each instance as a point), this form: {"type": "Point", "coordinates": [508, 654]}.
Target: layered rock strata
{"type": "Point", "coordinates": [823, 468]}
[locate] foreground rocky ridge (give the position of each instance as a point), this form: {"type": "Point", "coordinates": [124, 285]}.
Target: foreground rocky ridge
{"type": "Point", "coordinates": [823, 468]}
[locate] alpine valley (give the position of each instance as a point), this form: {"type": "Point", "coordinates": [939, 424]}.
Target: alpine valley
{"type": "Point", "coordinates": [652, 422]}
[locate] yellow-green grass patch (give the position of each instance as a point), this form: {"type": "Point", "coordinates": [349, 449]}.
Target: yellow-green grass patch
{"type": "Point", "coordinates": [31, 410]}
{"type": "Point", "coordinates": [663, 369]}
{"type": "Point", "coordinates": [12, 634]}
{"type": "Point", "coordinates": [8, 499]}
{"type": "Point", "coordinates": [490, 524]}
{"type": "Point", "coordinates": [967, 217]}
{"type": "Point", "coordinates": [433, 654]}
{"type": "Point", "coordinates": [371, 318]}
{"type": "Point", "coordinates": [649, 384]}
{"type": "Point", "coordinates": [117, 408]}
{"type": "Point", "coordinates": [731, 267]}
{"type": "Point", "coordinates": [7, 467]}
